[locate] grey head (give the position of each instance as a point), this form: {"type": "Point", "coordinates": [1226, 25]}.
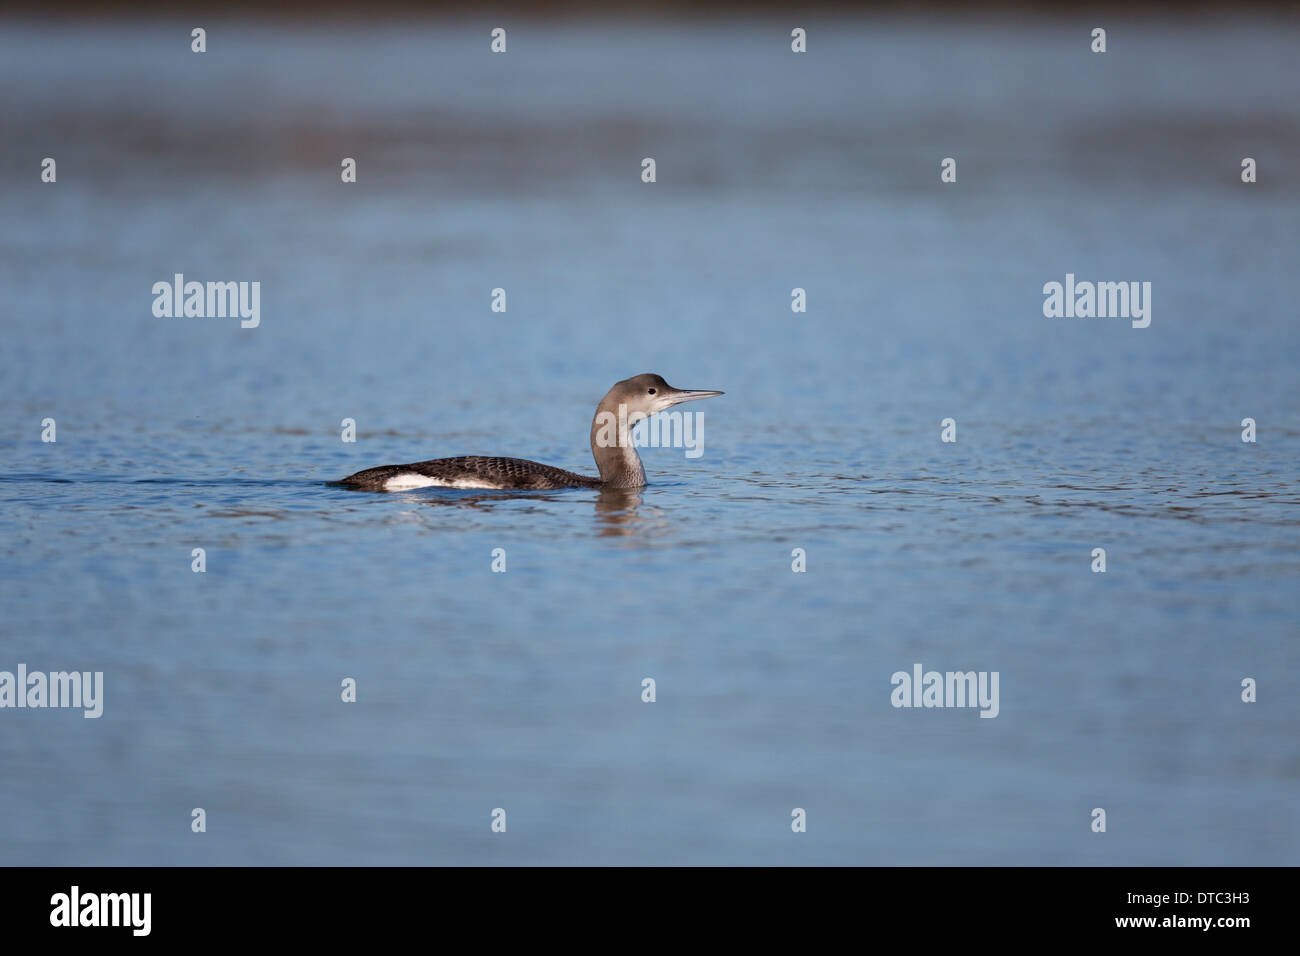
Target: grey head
{"type": "Point", "coordinates": [628, 402]}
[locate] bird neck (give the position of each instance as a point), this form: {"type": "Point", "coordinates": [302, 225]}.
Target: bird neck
{"type": "Point", "coordinates": [611, 446]}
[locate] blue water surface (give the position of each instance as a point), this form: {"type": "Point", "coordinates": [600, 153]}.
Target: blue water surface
{"type": "Point", "coordinates": [523, 690]}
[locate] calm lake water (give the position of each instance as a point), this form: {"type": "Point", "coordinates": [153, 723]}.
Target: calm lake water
{"type": "Point", "coordinates": [522, 690]}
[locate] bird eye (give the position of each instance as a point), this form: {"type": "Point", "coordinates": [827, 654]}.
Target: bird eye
{"type": "Point", "coordinates": [652, 391]}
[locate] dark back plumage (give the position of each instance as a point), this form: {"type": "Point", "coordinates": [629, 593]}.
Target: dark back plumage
{"type": "Point", "coordinates": [498, 472]}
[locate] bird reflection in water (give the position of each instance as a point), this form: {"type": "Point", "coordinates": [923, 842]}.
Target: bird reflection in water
{"type": "Point", "coordinates": [618, 510]}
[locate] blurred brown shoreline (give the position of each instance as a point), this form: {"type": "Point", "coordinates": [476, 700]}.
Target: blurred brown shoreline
{"type": "Point", "coordinates": [674, 9]}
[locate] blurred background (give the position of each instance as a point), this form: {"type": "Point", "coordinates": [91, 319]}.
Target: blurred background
{"type": "Point", "coordinates": [522, 690]}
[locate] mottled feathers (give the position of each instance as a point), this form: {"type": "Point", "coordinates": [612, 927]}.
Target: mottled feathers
{"type": "Point", "coordinates": [472, 471]}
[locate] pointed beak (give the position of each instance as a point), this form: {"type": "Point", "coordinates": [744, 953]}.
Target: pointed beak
{"type": "Point", "coordinates": [680, 395]}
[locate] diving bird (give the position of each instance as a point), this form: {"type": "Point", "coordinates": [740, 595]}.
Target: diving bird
{"type": "Point", "coordinates": [628, 402]}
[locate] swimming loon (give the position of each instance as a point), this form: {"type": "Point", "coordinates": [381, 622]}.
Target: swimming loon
{"type": "Point", "coordinates": [628, 402]}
